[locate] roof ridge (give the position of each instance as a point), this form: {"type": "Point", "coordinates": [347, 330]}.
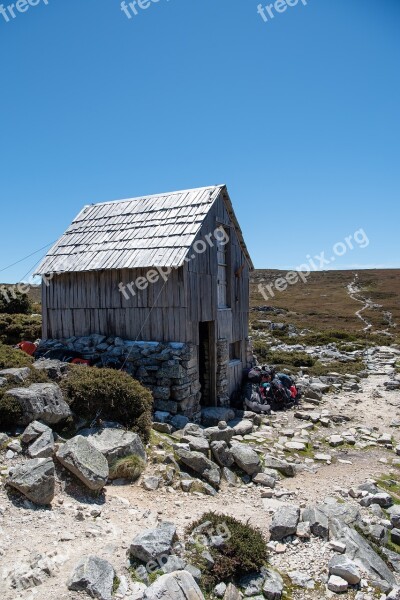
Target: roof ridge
{"type": "Point", "coordinates": [160, 195]}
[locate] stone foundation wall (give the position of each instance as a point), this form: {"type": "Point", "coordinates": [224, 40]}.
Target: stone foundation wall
{"type": "Point", "coordinates": [222, 373]}
{"type": "Point", "coordinates": [169, 370]}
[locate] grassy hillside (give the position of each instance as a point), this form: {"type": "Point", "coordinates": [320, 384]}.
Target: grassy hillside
{"type": "Point", "coordinates": [323, 303]}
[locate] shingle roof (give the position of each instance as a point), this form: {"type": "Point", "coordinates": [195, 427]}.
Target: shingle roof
{"type": "Point", "coordinates": [149, 231]}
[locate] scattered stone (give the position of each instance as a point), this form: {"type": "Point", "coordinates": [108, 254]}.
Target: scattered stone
{"type": "Point", "coordinates": [153, 543]}
{"type": "Point", "coordinates": [179, 585]}
{"type": "Point", "coordinates": [200, 464]}
{"type": "Point", "coordinates": [115, 443]}
{"type": "Point", "coordinates": [337, 584]}
{"type": "Point", "coordinates": [93, 575]}
{"type": "Point", "coordinates": [318, 522]}
{"type": "Point", "coordinates": [33, 431]}
{"type": "Point", "coordinates": [302, 580]}
{"type": "Point", "coordinates": [280, 465]}
{"type": "Point", "coordinates": [284, 521]}
{"type": "Point", "coordinates": [265, 480]}
{"type": "Point", "coordinates": [18, 375]}
{"type": "Point", "coordinates": [246, 458]}
{"type": "Point", "coordinates": [273, 585]}
{"type": "Point", "coordinates": [35, 479]}
{"type": "Point", "coordinates": [345, 568]}
{"type": "Point", "coordinates": [222, 453]}
{"type": "Point", "coordinates": [85, 462]}
{"type": "Point", "coordinates": [151, 483]}
{"type": "Point", "coordinates": [43, 446]}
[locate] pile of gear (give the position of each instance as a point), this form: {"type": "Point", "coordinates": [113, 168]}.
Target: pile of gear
{"type": "Point", "coordinates": [267, 390]}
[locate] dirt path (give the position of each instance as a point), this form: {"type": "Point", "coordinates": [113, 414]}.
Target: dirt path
{"type": "Point", "coordinates": [355, 294]}
{"type": "Point", "coordinates": [79, 525]}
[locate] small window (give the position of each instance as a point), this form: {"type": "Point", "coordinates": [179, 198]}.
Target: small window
{"type": "Point", "coordinates": [222, 278]}
{"type": "Point", "coordinates": [234, 351]}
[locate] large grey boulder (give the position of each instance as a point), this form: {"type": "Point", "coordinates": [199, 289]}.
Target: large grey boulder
{"type": "Point", "coordinates": [222, 453]}
{"type": "Point", "coordinates": [35, 479]}
{"type": "Point", "coordinates": [246, 458]}
{"type": "Point", "coordinates": [284, 521]}
{"type": "Point", "coordinates": [115, 443]}
{"type": "Point", "coordinates": [359, 551]}
{"type": "Point", "coordinates": [153, 543]}
{"type": "Point", "coordinates": [273, 586]}
{"type": "Point", "coordinates": [43, 447]}
{"type": "Point", "coordinates": [93, 575]}
{"type": "Point", "coordinates": [196, 443]}
{"type": "Point", "coordinates": [199, 464]}
{"type": "Point", "coordinates": [41, 402]}
{"type": "Point", "coordinates": [345, 568]}
{"type": "Point", "coordinates": [287, 469]}
{"type": "Point", "coordinates": [178, 585]}
{"type": "Point", "coordinates": [212, 415]}
{"type": "Point", "coordinates": [85, 462]}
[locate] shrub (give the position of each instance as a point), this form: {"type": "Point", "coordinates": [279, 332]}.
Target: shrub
{"type": "Point", "coordinates": [110, 395]}
{"type": "Point", "coordinates": [244, 552]}
{"type": "Point", "coordinates": [13, 359]}
{"type": "Point", "coordinates": [15, 328]}
{"type": "Point", "coordinates": [129, 467]}
{"type": "Point", "coordinates": [13, 302]}
{"type": "Point", "coordinates": [10, 412]}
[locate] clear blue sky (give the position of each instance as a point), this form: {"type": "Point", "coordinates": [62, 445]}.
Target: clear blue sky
{"type": "Point", "coordinates": [299, 116]}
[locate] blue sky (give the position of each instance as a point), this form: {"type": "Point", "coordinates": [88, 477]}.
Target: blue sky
{"type": "Point", "coordinates": [299, 116]}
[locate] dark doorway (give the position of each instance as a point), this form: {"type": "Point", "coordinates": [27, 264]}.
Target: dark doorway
{"type": "Point", "coordinates": [207, 366]}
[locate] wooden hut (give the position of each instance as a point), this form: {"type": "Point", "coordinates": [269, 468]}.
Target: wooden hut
{"type": "Point", "coordinates": [171, 267]}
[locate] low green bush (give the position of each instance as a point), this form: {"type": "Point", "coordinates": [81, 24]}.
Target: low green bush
{"type": "Point", "coordinates": [13, 302]}
{"type": "Point", "coordinates": [244, 551]}
{"type": "Point", "coordinates": [129, 467]}
{"type": "Point", "coordinates": [109, 395]}
{"type": "Point", "coordinates": [15, 328]}
{"type": "Point", "coordinates": [13, 359]}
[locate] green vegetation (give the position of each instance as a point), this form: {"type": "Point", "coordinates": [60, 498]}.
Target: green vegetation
{"type": "Point", "coordinates": [15, 328]}
{"type": "Point", "coordinates": [129, 467]}
{"type": "Point", "coordinates": [110, 395]}
{"type": "Point", "coordinates": [14, 302]}
{"type": "Point", "coordinates": [13, 359]}
{"type": "Point", "coordinates": [243, 552]}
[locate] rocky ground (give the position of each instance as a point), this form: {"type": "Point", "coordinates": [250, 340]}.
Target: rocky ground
{"type": "Point", "coordinates": [295, 475]}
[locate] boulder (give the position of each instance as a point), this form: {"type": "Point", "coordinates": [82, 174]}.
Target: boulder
{"type": "Point", "coordinates": [246, 459]}
{"type": "Point", "coordinates": [16, 375]}
{"type": "Point", "coordinates": [222, 453]}
{"type": "Point", "coordinates": [43, 446]}
{"type": "Point", "coordinates": [280, 465]}
{"type": "Point", "coordinates": [319, 524]}
{"type": "Point", "coordinates": [243, 427]}
{"type": "Point", "coordinates": [383, 499]}
{"type": "Point", "coordinates": [54, 369]}
{"type": "Point", "coordinates": [33, 431]}
{"type": "Point", "coordinates": [35, 479]}
{"type": "Point", "coordinates": [178, 585]}
{"type": "Point", "coordinates": [196, 443]}
{"type": "Point", "coordinates": [345, 568]}
{"type": "Point", "coordinates": [337, 584]}
{"type": "Point", "coordinates": [115, 443]}
{"type": "Point", "coordinates": [265, 480]}
{"type": "Point", "coordinates": [212, 415]}
{"type": "Point", "coordinates": [200, 464]}
{"type": "Point", "coordinates": [85, 462]}
{"type": "Point", "coordinates": [153, 543]}
{"type": "Point", "coordinates": [273, 585]}
{"type": "Point", "coordinates": [232, 593]}
{"type": "Point", "coordinates": [284, 521]}
{"type": "Point", "coordinates": [217, 434]}
{"type": "Point", "coordinates": [93, 575]}
{"type": "Point", "coordinates": [41, 402]}
{"type": "Point", "coordinates": [359, 551]}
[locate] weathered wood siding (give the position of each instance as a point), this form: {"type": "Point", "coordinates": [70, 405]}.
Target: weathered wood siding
{"type": "Point", "coordinates": [91, 302]}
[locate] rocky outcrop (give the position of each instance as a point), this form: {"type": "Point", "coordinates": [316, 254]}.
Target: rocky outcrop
{"type": "Point", "coordinates": [35, 479]}
{"type": "Point", "coordinates": [178, 585]}
{"type": "Point", "coordinates": [115, 443]}
{"type": "Point", "coordinates": [41, 402]}
{"type": "Point", "coordinates": [93, 575]}
{"type": "Point", "coordinates": [85, 462]}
